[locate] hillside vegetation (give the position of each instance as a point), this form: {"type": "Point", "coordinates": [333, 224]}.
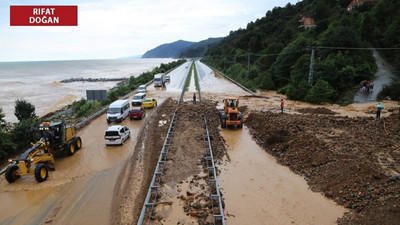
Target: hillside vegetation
{"type": "Point", "coordinates": [182, 49]}
{"type": "Point", "coordinates": [279, 51]}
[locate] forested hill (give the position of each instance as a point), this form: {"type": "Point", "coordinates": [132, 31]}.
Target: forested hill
{"type": "Point", "coordinates": [170, 50]}
{"type": "Point", "coordinates": [182, 49]}
{"type": "Point", "coordinates": [279, 50]}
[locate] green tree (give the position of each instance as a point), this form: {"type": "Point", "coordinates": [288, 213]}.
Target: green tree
{"type": "Point", "coordinates": [24, 110]}
{"type": "Point", "coordinates": [6, 145]}
{"type": "Point", "coordinates": [3, 123]}
{"type": "Point", "coordinates": [25, 132]}
{"type": "Point", "coordinates": [320, 92]}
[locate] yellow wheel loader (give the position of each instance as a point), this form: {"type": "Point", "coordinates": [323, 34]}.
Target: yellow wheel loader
{"type": "Point", "coordinates": [37, 160]}
{"type": "Point", "coordinates": [230, 116]}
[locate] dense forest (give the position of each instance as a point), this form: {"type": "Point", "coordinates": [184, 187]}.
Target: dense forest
{"type": "Point", "coordinates": [274, 52]}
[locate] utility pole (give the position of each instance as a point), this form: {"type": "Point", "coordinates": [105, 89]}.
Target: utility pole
{"type": "Point", "coordinates": [310, 75]}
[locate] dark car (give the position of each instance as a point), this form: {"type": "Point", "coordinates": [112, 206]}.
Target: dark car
{"type": "Point", "coordinates": [137, 113]}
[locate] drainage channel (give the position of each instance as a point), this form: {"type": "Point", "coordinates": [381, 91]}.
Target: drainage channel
{"type": "Point", "coordinates": [153, 191]}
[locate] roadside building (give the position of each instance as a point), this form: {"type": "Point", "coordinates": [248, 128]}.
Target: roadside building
{"type": "Point", "coordinates": [306, 21]}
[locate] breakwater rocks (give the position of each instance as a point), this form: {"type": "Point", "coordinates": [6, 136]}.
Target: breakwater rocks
{"type": "Point", "coordinates": [70, 80]}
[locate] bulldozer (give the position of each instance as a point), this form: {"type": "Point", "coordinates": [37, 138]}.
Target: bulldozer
{"type": "Point", "coordinates": [231, 116]}
{"type": "Point", "coordinates": [56, 139]}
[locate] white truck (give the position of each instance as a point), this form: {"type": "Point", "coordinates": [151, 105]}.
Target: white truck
{"type": "Point", "coordinates": [159, 80]}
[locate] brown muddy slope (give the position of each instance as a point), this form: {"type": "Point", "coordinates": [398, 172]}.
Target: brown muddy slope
{"type": "Point", "coordinates": [134, 180]}
{"type": "Point", "coordinates": [354, 161]}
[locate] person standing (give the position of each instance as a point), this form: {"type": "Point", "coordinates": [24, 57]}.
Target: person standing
{"type": "Point", "coordinates": [282, 105]}
{"type": "Point", "coordinates": [379, 108]}
{"type": "Point", "coordinates": [194, 98]}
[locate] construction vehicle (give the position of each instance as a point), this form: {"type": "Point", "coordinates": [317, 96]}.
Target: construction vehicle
{"type": "Point", "coordinates": [56, 139]}
{"type": "Point", "coordinates": [231, 116]}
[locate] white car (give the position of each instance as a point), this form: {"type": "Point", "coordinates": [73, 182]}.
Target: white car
{"type": "Point", "coordinates": [142, 89]}
{"type": "Point", "coordinates": [116, 135]}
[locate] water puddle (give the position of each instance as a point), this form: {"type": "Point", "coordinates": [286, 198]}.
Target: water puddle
{"type": "Point", "coordinates": [257, 190]}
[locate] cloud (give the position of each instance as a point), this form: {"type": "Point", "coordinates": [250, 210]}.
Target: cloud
{"type": "Point", "coordinates": [111, 29]}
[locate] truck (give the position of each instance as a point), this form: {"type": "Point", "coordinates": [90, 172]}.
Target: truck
{"type": "Point", "coordinates": [39, 158]}
{"type": "Point", "coordinates": [230, 115]}
{"type": "Point", "coordinates": [159, 80]}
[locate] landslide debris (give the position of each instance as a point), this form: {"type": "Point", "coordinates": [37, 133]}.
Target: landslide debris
{"type": "Point", "coordinates": [319, 110]}
{"type": "Point", "coordinates": [184, 170]}
{"type": "Point", "coordinates": [354, 161]}
{"type": "Point", "coordinates": [185, 181]}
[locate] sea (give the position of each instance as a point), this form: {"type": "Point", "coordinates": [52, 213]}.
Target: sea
{"type": "Point", "coordinates": [39, 82]}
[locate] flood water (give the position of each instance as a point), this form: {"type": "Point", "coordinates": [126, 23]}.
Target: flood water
{"type": "Point", "coordinates": [81, 187]}
{"type": "Point", "coordinates": [382, 78]}
{"type": "Point", "coordinates": [258, 191]}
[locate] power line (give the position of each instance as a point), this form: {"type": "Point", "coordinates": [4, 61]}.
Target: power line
{"type": "Point", "coordinates": [351, 48]}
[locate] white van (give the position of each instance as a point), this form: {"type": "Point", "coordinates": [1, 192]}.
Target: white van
{"type": "Point", "coordinates": [138, 99]}
{"type": "Point", "coordinates": [118, 111]}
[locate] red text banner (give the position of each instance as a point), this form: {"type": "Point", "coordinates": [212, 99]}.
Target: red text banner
{"type": "Point", "coordinates": [43, 15]}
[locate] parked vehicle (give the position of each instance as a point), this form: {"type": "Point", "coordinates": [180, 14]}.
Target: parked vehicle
{"type": "Point", "coordinates": [159, 80]}
{"type": "Point", "coordinates": [137, 113]}
{"type": "Point", "coordinates": [116, 135]}
{"type": "Point", "coordinates": [149, 103]}
{"type": "Point", "coordinates": [118, 111]}
{"type": "Point", "coordinates": [142, 88]}
{"type": "Point", "coordinates": [138, 99]}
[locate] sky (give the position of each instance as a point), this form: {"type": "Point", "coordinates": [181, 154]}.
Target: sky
{"type": "Point", "coordinates": [109, 29]}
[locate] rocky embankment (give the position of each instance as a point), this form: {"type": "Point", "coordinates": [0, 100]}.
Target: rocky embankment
{"type": "Point", "coordinates": [354, 161]}
{"type": "Point", "coordinates": [81, 79]}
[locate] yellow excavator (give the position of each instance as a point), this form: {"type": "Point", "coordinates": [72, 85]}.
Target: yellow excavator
{"type": "Point", "coordinates": [56, 139]}
{"type": "Point", "coordinates": [231, 116]}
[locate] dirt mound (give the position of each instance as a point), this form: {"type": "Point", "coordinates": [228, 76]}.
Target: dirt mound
{"type": "Point", "coordinates": [183, 173]}
{"type": "Point", "coordinates": [354, 161]}
{"type": "Point", "coordinates": [319, 110]}
{"type": "Point", "coordinates": [185, 180]}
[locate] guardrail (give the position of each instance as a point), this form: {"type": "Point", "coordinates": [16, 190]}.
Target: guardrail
{"type": "Point", "coordinates": [89, 119]}
{"type": "Point", "coordinates": [233, 81]}
{"type": "Point", "coordinates": [215, 196]}
{"type": "Point", "coordinates": [152, 193]}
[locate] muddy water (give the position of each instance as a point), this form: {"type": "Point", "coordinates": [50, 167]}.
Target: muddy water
{"type": "Point", "coordinates": [382, 77]}
{"type": "Point", "coordinates": [257, 190]}
{"type": "Point", "coordinates": [80, 189]}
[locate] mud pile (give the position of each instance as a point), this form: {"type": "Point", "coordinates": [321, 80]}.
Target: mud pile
{"type": "Point", "coordinates": [354, 161]}
{"type": "Point", "coordinates": [184, 196]}
{"type": "Point", "coordinates": [319, 110]}
{"type": "Point", "coordinates": [184, 174]}
{"type": "Point", "coordinates": [135, 178]}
